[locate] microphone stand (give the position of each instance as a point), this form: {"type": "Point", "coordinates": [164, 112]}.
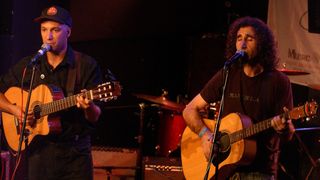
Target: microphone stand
{"type": "Point", "coordinates": [24, 134]}
{"type": "Point", "coordinates": [215, 148]}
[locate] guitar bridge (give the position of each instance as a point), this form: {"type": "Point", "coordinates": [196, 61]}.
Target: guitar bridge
{"type": "Point", "coordinates": [16, 123]}
{"type": "Point", "coordinates": [37, 112]}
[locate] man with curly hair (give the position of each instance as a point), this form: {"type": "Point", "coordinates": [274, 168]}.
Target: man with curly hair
{"type": "Point", "coordinates": [254, 88]}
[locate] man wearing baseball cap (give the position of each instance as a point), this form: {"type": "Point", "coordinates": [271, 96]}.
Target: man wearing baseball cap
{"type": "Point", "coordinates": [66, 153]}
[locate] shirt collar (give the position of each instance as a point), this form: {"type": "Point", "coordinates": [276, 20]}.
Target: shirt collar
{"type": "Point", "coordinates": [69, 58]}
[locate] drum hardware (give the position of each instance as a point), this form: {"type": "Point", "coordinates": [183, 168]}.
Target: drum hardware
{"type": "Point", "coordinates": [162, 101]}
{"type": "Point", "coordinates": [140, 139]}
{"type": "Point", "coordinates": [314, 163]}
{"type": "Point", "coordinates": [292, 72]}
{"type": "Point", "coordinates": [287, 71]}
{"type": "Point", "coordinates": [120, 107]}
{"type": "Point", "coordinates": [313, 167]}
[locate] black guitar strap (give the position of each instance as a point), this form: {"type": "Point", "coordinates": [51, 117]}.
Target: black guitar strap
{"type": "Point", "coordinates": [73, 75]}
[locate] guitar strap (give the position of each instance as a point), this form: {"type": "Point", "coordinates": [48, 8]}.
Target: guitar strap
{"type": "Point", "coordinates": [73, 75]}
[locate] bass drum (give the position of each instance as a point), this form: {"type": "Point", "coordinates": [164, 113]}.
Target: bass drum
{"type": "Point", "coordinates": [171, 127]}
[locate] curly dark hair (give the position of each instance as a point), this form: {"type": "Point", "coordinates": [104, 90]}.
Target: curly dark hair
{"type": "Point", "coordinates": [267, 54]}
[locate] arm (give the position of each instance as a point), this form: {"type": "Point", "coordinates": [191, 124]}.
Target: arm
{"type": "Point", "coordinates": [284, 127]}
{"type": "Point", "coordinates": [91, 110]}
{"type": "Point", "coordinates": [194, 121]}
{"type": "Point", "coordinates": [15, 110]}
{"type": "Point", "coordinates": [191, 114]}
{"type": "Point", "coordinates": [92, 77]}
{"type": "Point", "coordinates": [5, 105]}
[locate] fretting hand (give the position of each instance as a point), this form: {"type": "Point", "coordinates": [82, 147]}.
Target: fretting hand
{"type": "Point", "coordinates": [83, 102]}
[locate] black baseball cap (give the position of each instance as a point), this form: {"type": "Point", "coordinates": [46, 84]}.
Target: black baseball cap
{"type": "Point", "coordinates": [55, 13]}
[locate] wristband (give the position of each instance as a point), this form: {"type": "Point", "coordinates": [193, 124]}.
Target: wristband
{"type": "Point", "coordinates": [203, 130]}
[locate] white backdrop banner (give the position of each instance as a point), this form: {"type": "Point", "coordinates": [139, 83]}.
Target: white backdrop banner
{"type": "Point", "coordinates": [298, 49]}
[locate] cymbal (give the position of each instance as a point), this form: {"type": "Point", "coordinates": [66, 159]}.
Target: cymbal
{"type": "Point", "coordinates": [292, 71]}
{"type": "Point", "coordinates": [314, 86]}
{"type": "Point", "coordinates": [162, 100]}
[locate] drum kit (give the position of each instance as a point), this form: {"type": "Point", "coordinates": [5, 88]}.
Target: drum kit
{"type": "Point", "coordinates": [171, 125]}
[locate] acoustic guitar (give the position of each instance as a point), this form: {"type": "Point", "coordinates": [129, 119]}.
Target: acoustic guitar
{"type": "Point", "coordinates": [236, 148]}
{"type": "Point", "coordinates": [45, 102]}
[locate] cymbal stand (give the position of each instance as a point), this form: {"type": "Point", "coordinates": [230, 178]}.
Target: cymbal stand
{"type": "Point", "coordinates": [140, 139]}
{"type": "Point", "coordinates": [305, 149]}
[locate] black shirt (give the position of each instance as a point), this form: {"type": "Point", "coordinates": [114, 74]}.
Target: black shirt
{"type": "Point", "coordinates": [259, 97]}
{"type": "Point", "coordinates": [72, 120]}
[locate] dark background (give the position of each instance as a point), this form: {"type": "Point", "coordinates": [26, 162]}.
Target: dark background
{"type": "Point", "coordinates": [150, 46]}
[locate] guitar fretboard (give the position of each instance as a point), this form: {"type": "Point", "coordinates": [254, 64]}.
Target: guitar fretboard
{"type": "Point", "coordinates": [252, 130]}
{"type": "Point", "coordinates": [62, 104]}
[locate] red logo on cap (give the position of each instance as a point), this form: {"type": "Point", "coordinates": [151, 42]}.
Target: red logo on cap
{"type": "Point", "coordinates": [52, 11]}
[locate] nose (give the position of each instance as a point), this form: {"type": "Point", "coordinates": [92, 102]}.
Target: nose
{"type": "Point", "coordinates": [49, 36]}
{"type": "Point", "coordinates": [243, 44]}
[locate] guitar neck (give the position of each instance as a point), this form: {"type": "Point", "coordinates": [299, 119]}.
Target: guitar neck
{"type": "Point", "coordinates": [296, 113]}
{"type": "Point", "coordinates": [58, 105]}
{"type": "Point", "coordinates": [250, 131]}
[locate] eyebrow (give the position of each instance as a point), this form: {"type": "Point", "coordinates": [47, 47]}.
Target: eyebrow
{"type": "Point", "coordinates": [250, 35]}
{"type": "Point", "coordinates": [246, 35]}
{"type": "Point", "coordinates": [55, 27]}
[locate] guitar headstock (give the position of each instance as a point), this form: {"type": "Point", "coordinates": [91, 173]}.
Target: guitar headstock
{"type": "Point", "coordinates": [309, 109]}
{"type": "Point", "coordinates": [107, 91]}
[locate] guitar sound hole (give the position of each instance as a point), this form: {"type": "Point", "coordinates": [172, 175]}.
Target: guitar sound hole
{"type": "Point", "coordinates": [224, 142]}
{"type": "Point", "coordinates": [224, 150]}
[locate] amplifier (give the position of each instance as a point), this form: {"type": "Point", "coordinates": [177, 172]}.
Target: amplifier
{"type": "Point", "coordinates": [162, 168]}
{"type": "Point", "coordinates": [114, 163]}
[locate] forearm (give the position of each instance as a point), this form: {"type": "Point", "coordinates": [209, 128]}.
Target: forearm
{"type": "Point", "coordinates": [5, 105]}
{"type": "Point", "coordinates": [287, 133]}
{"type": "Point", "coordinates": [92, 113]}
{"type": "Point", "coordinates": [191, 114]}
{"type": "Point", "coordinates": [193, 119]}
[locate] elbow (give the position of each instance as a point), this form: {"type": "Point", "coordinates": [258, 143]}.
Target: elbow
{"type": "Point", "coordinates": [185, 112]}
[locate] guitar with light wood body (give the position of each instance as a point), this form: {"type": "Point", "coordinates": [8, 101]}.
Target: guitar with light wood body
{"type": "Point", "coordinates": [45, 101]}
{"type": "Point", "coordinates": [236, 147]}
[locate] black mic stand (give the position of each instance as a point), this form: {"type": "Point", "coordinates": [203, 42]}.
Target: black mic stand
{"type": "Point", "coordinates": [24, 134]}
{"type": "Point", "coordinates": [215, 148]}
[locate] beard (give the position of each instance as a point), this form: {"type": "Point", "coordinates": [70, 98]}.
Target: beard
{"type": "Point", "coordinates": [250, 61]}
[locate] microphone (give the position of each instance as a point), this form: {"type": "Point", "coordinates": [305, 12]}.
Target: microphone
{"type": "Point", "coordinates": [44, 48]}
{"type": "Point", "coordinates": [239, 54]}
